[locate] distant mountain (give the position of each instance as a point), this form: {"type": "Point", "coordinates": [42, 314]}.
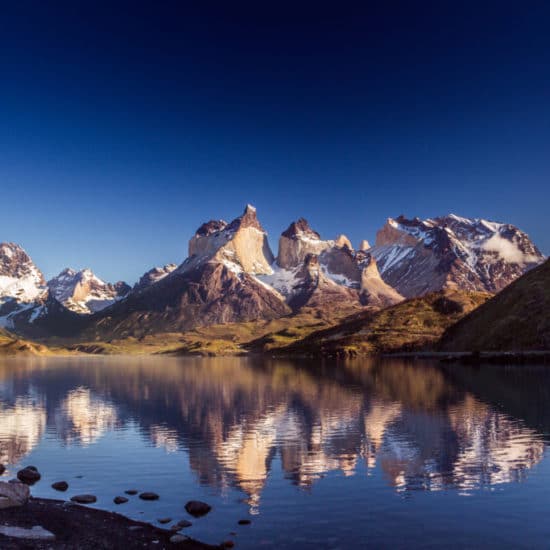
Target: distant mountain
{"type": "Point", "coordinates": [153, 276]}
{"type": "Point", "coordinates": [216, 284]}
{"type": "Point", "coordinates": [315, 273]}
{"type": "Point", "coordinates": [21, 282]}
{"type": "Point", "coordinates": [516, 319]}
{"type": "Point", "coordinates": [84, 292]}
{"type": "Point", "coordinates": [420, 256]}
{"type": "Point", "coordinates": [232, 276]}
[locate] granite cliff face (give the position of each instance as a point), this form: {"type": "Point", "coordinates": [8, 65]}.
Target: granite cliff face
{"type": "Point", "coordinates": [420, 256]}
{"type": "Point", "coordinates": [241, 245]}
{"type": "Point", "coordinates": [324, 274]}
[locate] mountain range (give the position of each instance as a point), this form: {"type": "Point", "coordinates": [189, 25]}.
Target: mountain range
{"type": "Point", "coordinates": [231, 275]}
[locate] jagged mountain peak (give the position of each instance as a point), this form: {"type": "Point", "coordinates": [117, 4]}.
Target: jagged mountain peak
{"type": "Point", "coordinates": [21, 281]}
{"type": "Point", "coordinates": [418, 256]}
{"type": "Point", "coordinates": [300, 229]}
{"type": "Point", "coordinates": [241, 245]}
{"type": "Point", "coordinates": [83, 292]}
{"type": "Point", "coordinates": [153, 276]}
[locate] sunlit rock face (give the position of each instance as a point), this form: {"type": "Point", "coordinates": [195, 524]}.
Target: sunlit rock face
{"type": "Point", "coordinates": [419, 256]}
{"type": "Point", "coordinates": [242, 244]}
{"type": "Point", "coordinates": [21, 428]}
{"type": "Point", "coordinates": [82, 417]}
{"type": "Point", "coordinates": [297, 242]}
{"type": "Point", "coordinates": [326, 274]}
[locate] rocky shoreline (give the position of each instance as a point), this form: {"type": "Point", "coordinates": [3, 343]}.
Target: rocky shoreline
{"type": "Point", "coordinates": [38, 523]}
{"type": "Point", "coordinates": [73, 526]}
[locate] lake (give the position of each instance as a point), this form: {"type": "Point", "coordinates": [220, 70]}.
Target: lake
{"type": "Point", "coordinates": [317, 454]}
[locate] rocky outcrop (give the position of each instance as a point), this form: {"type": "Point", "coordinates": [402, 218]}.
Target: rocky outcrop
{"type": "Point", "coordinates": [13, 494]}
{"type": "Point", "coordinates": [241, 244]}
{"type": "Point", "coordinates": [308, 267]}
{"type": "Point", "coordinates": [364, 245]}
{"type": "Point", "coordinates": [83, 292]}
{"type": "Point", "coordinates": [420, 256]}
{"type": "Point", "coordinates": [153, 276]}
{"type": "Point", "coordinates": [297, 242]}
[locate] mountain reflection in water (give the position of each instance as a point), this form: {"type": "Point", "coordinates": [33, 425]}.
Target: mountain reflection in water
{"type": "Point", "coordinates": [425, 427]}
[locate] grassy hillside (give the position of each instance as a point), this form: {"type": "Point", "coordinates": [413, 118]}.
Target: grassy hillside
{"type": "Point", "coordinates": [416, 324]}
{"type": "Point", "coordinates": [226, 339]}
{"type": "Point", "coordinates": [11, 345]}
{"type": "Point", "coordinates": [516, 319]}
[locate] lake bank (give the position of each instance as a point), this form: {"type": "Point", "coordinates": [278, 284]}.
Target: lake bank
{"type": "Point", "coordinates": [76, 526]}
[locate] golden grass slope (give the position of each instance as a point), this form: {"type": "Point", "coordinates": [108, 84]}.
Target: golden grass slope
{"type": "Point", "coordinates": [413, 325]}
{"type": "Point", "coordinates": [516, 319]}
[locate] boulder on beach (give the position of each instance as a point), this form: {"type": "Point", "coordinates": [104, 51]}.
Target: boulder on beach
{"type": "Point", "coordinates": [197, 508]}
{"type": "Point", "coordinates": [13, 494]}
{"type": "Point", "coordinates": [29, 475]}
{"type": "Point", "coordinates": [84, 499]}
{"type": "Point", "coordinates": [60, 485]}
{"type": "Point", "coordinates": [148, 496]}
{"type": "Point", "coordinates": [132, 492]}
{"type": "Point", "coordinates": [120, 500]}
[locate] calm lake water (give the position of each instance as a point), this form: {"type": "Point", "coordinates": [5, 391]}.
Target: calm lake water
{"type": "Point", "coordinates": [380, 453]}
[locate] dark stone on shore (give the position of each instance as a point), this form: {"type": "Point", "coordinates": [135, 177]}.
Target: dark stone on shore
{"type": "Point", "coordinates": [86, 527]}
{"type": "Point", "coordinates": [148, 496]}
{"type": "Point", "coordinates": [228, 544]}
{"type": "Point", "coordinates": [120, 500]}
{"type": "Point", "coordinates": [244, 522]}
{"type": "Point", "coordinates": [2, 469]}
{"type": "Point", "coordinates": [60, 485]}
{"type": "Point", "coordinates": [132, 492]}
{"type": "Point", "coordinates": [183, 523]}
{"type": "Point", "coordinates": [84, 499]}
{"type": "Point", "coordinates": [28, 475]}
{"type": "Point", "coordinates": [162, 521]}
{"type": "Point", "coordinates": [197, 508]}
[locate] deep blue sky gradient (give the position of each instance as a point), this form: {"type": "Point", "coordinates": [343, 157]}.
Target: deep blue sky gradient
{"type": "Point", "coordinates": [123, 128]}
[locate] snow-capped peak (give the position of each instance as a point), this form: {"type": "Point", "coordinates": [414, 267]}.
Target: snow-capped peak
{"type": "Point", "coordinates": [83, 292]}
{"type": "Point", "coordinates": [418, 256]}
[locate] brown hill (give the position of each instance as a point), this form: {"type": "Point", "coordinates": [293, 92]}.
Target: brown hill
{"type": "Point", "coordinates": [412, 325]}
{"type": "Point", "coordinates": [516, 319]}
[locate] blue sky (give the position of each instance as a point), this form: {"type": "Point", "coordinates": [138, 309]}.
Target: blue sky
{"type": "Point", "coordinates": [124, 129]}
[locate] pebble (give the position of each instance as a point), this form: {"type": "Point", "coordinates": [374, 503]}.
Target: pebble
{"type": "Point", "coordinates": [148, 496]}
{"type": "Point", "coordinates": [183, 523]}
{"type": "Point", "coordinates": [162, 521]}
{"type": "Point", "coordinates": [132, 492]}
{"type": "Point", "coordinates": [228, 544]}
{"type": "Point", "coordinates": [60, 485]}
{"type": "Point", "coordinates": [84, 499]}
{"type": "Point", "coordinates": [197, 508]}
{"type": "Point", "coordinates": [120, 500]}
